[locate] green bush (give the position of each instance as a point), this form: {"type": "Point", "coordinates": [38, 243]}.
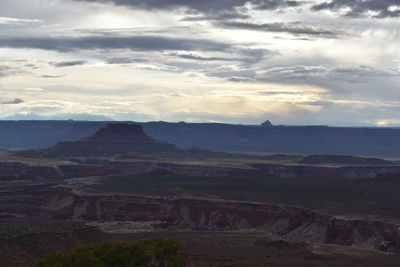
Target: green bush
{"type": "Point", "coordinates": [146, 253]}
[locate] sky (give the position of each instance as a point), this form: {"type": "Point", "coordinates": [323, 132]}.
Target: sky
{"type": "Point", "coordinates": [294, 62]}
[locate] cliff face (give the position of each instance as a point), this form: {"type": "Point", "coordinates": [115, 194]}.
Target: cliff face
{"type": "Point", "coordinates": [292, 223]}
{"type": "Point", "coordinates": [110, 140]}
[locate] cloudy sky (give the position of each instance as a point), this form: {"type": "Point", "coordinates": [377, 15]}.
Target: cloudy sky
{"type": "Point", "coordinates": [334, 62]}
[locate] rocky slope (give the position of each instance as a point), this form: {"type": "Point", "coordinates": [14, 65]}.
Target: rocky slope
{"type": "Point", "coordinates": [291, 223]}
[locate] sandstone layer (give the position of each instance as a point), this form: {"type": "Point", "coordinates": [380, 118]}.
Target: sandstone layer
{"type": "Point", "coordinates": [290, 223]}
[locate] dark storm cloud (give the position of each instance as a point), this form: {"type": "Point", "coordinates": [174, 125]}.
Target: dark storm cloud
{"type": "Point", "coordinates": [347, 82]}
{"type": "Point", "coordinates": [137, 43]}
{"type": "Point", "coordinates": [238, 79]}
{"type": "Point", "coordinates": [278, 93]}
{"type": "Point", "coordinates": [360, 8]}
{"type": "Point", "coordinates": [287, 74]}
{"type": "Point", "coordinates": [344, 81]}
{"type": "Point", "coordinates": [217, 17]}
{"type": "Point", "coordinates": [6, 70]}
{"type": "Point", "coordinates": [212, 9]}
{"type": "Point", "coordinates": [202, 5]}
{"type": "Point", "coordinates": [15, 101]}
{"type": "Point", "coordinates": [366, 71]}
{"type": "Point", "coordinates": [315, 74]}
{"type": "Point", "coordinates": [51, 76]}
{"type": "Point", "coordinates": [232, 74]}
{"type": "Point", "coordinates": [68, 63]}
{"type": "Point", "coordinates": [251, 56]}
{"type": "Point", "coordinates": [276, 4]}
{"type": "Point", "coordinates": [294, 28]}
{"type": "Point", "coordinates": [299, 72]}
{"type": "Point", "coordinates": [199, 58]}
{"type": "Point", "coordinates": [126, 60]}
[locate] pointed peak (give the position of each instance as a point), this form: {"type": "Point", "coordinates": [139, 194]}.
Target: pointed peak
{"type": "Point", "coordinates": [266, 123]}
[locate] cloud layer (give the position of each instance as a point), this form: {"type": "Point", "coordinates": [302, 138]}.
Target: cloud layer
{"type": "Point", "coordinates": [241, 61]}
{"type": "Point", "coordinates": [137, 43]}
{"type": "Point", "coordinates": [361, 8]}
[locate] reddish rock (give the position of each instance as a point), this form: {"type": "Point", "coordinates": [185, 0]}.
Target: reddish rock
{"type": "Point", "coordinates": [292, 223]}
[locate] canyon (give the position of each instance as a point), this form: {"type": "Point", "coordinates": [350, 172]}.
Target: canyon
{"type": "Point", "coordinates": [282, 222]}
{"type": "Point", "coordinates": [122, 182]}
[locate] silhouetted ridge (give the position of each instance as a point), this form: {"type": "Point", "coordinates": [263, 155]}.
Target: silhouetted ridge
{"type": "Point", "coordinates": [120, 133]}
{"type": "Point", "coordinates": [275, 139]}
{"type": "Point", "coordinates": [110, 140]}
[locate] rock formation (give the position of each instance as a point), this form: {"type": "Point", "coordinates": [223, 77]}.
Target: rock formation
{"type": "Point", "coordinates": [111, 140]}
{"type": "Point", "coordinates": [266, 123]}
{"type": "Point", "coordinates": [124, 133]}
{"type": "Point", "coordinates": [291, 223]}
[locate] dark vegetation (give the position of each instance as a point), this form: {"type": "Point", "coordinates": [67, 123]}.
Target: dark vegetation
{"type": "Point", "coordinates": [23, 243]}
{"type": "Point", "coordinates": [152, 252]}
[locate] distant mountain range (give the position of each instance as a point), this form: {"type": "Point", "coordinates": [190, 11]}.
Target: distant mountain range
{"type": "Point", "coordinates": [377, 142]}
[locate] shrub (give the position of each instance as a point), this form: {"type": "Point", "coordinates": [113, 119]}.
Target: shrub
{"type": "Point", "coordinates": [144, 253]}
